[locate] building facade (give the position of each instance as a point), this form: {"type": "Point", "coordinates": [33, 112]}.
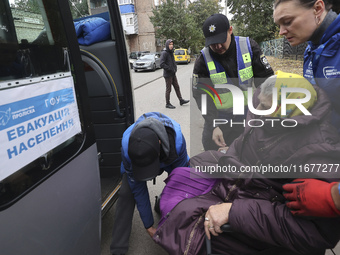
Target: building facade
{"type": "Point", "coordinates": [140, 32]}
{"type": "Point", "coordinates": [135, 14]}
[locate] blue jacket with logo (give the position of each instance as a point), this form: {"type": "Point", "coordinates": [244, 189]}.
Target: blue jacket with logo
{"type": "Point", "coordinates": [139, 188]}
{"type": "Point", "coordinates": [322, 67]}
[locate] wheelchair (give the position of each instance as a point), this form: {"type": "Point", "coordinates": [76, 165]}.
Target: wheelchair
{"type": "Point", "coordinates": [226, 228]}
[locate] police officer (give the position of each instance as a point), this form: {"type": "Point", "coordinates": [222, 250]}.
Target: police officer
{"type": "Point", "coordinates": [226, 59]}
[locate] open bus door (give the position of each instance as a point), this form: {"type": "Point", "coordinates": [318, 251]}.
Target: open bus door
{"type": "Point", "coordinates": [61, 122]}
{"type": "Point", "coordinates": [109, 86]}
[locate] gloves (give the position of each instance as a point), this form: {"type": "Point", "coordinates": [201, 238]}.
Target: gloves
{"type": "Point", "coordinates": [310, 197]}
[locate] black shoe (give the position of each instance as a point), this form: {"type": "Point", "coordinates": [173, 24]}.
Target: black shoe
{"type": "Point", "coordinates": [170, 106]}
{"type": "Point", "coordinates": [182, 101]}
{"type": "Point", "coordinates": [157, 207]}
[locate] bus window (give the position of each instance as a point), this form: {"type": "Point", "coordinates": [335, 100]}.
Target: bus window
{"type": "Point", "coordinates": [40, 125]}
{"type": "Point", "coordinates": [63, 110]}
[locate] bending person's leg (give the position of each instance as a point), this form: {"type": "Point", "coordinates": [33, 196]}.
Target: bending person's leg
{"type": "Point", "coordinates": [123, 219]}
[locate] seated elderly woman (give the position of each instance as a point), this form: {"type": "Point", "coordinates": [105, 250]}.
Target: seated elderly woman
{"type": "Point", "coordinates": [250, 202]}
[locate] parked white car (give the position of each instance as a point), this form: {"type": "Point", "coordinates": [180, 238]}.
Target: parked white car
{"type": "Point", "coordinates": [134, 55]}
{"type": "Point", "coordinates": [149, 61]}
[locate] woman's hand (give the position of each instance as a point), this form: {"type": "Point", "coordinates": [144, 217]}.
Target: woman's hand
{"type": "Point", "coordinates": [215, 217]}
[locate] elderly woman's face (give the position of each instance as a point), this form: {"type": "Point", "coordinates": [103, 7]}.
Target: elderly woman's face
{"type": "Point", "coordinates": [265, 102]}
{"type": "Point", "coordinates": [296, 22]}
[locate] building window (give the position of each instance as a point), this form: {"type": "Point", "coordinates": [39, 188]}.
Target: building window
{"type": "Point", "coordinates": [129, 21]}
{"type": "Point", "coordinates": [126, 2]}
{"type": "Point", "coordinates": [98, 3]}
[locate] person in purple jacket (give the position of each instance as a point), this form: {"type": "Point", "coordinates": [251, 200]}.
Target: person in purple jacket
{"type": "Point", "coordinates": [252, 202]}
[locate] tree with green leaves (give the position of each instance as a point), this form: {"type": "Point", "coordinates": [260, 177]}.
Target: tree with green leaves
{"type": "Point", "coordinates": [79, 9]}
{"type": "Point", "coordinates": [27, 5]}
{"type": "Point", "coordinates": [201, 10]}
{"type": "Point", "coordinates": [172, 19]}
{"type": "Point", "coordinates": [253, 18]}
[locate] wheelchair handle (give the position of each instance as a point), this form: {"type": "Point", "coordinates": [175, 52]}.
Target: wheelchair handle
{"type": "Point", "coordinates": [226, 228]}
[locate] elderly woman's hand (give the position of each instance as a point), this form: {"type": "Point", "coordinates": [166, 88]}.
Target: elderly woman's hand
{"type": "Point", "coordinates": [215, 217]}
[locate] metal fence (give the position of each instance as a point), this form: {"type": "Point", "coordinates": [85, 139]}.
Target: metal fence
{"type": "Point", "coordinates": [280, 48]}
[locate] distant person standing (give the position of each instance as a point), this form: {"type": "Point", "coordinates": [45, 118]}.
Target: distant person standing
{"type": "Point", "coordinates": [169, 73]}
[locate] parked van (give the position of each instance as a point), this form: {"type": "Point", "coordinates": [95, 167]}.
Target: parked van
{"type": "Point", "coordinates": [182, 56]}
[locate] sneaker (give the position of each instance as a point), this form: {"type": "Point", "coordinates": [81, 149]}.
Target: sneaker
{"type": "Point", "coordinates": [170, 106]}
{"type": "Point", "coordinates": [182, 101]}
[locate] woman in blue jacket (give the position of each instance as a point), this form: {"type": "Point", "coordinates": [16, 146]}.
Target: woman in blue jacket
{"type": "Point", "coordinates": [152, 145]}
{"type": "Point", "coordinates": [317, 22]}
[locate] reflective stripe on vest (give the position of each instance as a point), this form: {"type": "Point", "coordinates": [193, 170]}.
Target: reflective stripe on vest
{"type": "Point", "coordinates": [245, 69]}
{"type": "Point", "coordinates": [219, 76]}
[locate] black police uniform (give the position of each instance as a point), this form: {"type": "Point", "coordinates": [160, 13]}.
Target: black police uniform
{"type": "Point", "coordinates": [261, 70]}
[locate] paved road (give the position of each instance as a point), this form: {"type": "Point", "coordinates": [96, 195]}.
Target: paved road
{"type": "Point", "coordinates": [149, 88]}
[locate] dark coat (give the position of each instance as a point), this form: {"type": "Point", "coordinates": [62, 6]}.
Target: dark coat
{"type": "Point", "coordinates": [168, 61]}
{"type": "Point", "coordinates": [258, 216]}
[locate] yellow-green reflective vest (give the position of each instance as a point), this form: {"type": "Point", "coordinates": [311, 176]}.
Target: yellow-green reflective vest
{"type": "Point", "coordinates": [219, 76]}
